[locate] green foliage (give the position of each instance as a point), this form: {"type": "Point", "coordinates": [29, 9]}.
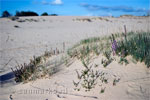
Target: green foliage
{"type": "Point", "coordinates": [88, 77]}
{"type": "Point", "coordinates": [115, 81]}
{"type": "Point", "coordinates": [108, 60]}
{"type": "Point", "coordinates": [123, 60]}
{"type": "Point", "coordinates": [138, 46]}
{"type": "Point", "coordinates": [33, 70]}
{"type": "Point", "coordinates": [93, 45]}
{"type": "Point", "coordinates": [85, 51]}
{"type": "Point", "coordinates": [96, 49]}
{"type": "Point", "coordinates": [44, 14]}
{"type": "Point", "coordinates": [102, 90]}
{"type": "Point", "coordinates": [90, 40]}
{"type": "Point", "coordinates": [6, 14]}
{"type": "Point", "coordinates": [135, 44]}
{"type": "Point", "coordinates": [38, 60]}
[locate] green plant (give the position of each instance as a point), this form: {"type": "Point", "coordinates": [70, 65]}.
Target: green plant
{"type": "Point", "coordinates": [96, 50]}
{"type": "Point", "coordinates": [87, 78]}
{"type": "Point", "coordinates": [102, 90]}
{"type": "Point", "coordinates": [108, 60]}
{"type": "Point", "coordinates": [123, 60]}
{"type": "Point", "coordinates": [90, 40]}
{"type": "Point", "coordinates": [137, 45]}
{"type": "Point", "coordinates": [132, 44]}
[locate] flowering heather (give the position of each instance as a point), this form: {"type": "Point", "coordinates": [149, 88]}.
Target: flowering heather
{"type": "Point", "coordinates": [114, 46]}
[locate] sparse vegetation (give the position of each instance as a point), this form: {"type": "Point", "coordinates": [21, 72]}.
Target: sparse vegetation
{"type": "Point", "coordinates": [112, 47]}
{"type": "Point", "coordinates": [25, 72]}
{"type": "Point", "coordinates": [102, 90]}
{"type": "Point", "coordinates": [84, 19]}
{"type": "Point", "coordinates": [88, 77]}
{"type": "Point", "coordinates": [137, 45]}
{"type": "Point", "coordinates": [122, 45]}
{"type": "Point", "coordinates": [37, 68]}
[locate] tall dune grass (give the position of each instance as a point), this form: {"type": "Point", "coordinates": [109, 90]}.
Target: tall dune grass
{"type": "Point", "coordinates": [135, 44]}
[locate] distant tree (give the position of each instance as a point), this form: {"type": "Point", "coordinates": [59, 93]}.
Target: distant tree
{"type": "Point", "coordinates": [17, 13]}
{"type": "Point", "coordinates": [148, 13]}
{"type": "Point", "coordinates": [26, 13]}
{"type": "Point", "coordinates": [44, 14]}
{"type": "Point", "coordinates": [53, 15]}
{"type": "Point", "coordinates": [6, 14]}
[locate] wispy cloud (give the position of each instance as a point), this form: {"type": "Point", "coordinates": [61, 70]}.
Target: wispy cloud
{"type": "Point", "coordinates": [45, 2]}
{"type": "Point", "coordinates": [57, 2]}
{"type": "Point", "coordinates": [113, 8]}
{"type": "Point", "coordinates": [54, 2]}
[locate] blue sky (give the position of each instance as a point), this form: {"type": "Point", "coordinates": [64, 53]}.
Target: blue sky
{"type": "Point", "coordinates": [78, 7]}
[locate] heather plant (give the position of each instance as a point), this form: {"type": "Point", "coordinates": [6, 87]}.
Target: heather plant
{"type": "Point", "coordinates": [114, 44]}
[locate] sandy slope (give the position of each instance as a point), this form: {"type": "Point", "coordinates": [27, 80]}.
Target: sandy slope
{"type": "Point", "coordinates": [33, 38]}
{"type": "Point", "coordinates": [133, 85]}
{"type": "Point", "coordinates": [18, 45]}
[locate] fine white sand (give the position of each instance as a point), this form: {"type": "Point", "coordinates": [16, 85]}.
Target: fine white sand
{"type": "Point", "coordinates": [19, 44]}
{"type": "Point", "coordinates": [133, 85]}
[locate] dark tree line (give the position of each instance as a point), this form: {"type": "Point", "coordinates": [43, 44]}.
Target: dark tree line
{"type": "Point", "coordinates": [26, 13]}
{"type": "Point", "coordinates": [46, 14]}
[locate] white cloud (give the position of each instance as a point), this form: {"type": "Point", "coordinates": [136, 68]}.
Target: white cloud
{"type": "Point", "coordinates": [54, 2]}
{"type": "Point", "coordinates": [57, 2]}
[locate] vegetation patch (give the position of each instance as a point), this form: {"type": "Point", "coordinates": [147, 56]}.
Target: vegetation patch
{"type": "Point", "coordinates": [136, 45]}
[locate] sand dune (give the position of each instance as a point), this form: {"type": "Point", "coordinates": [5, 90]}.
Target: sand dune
{"type": "Point", "coordinates": [20, 40]}
{"type": "Point", "coordinates": [33, 38]}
